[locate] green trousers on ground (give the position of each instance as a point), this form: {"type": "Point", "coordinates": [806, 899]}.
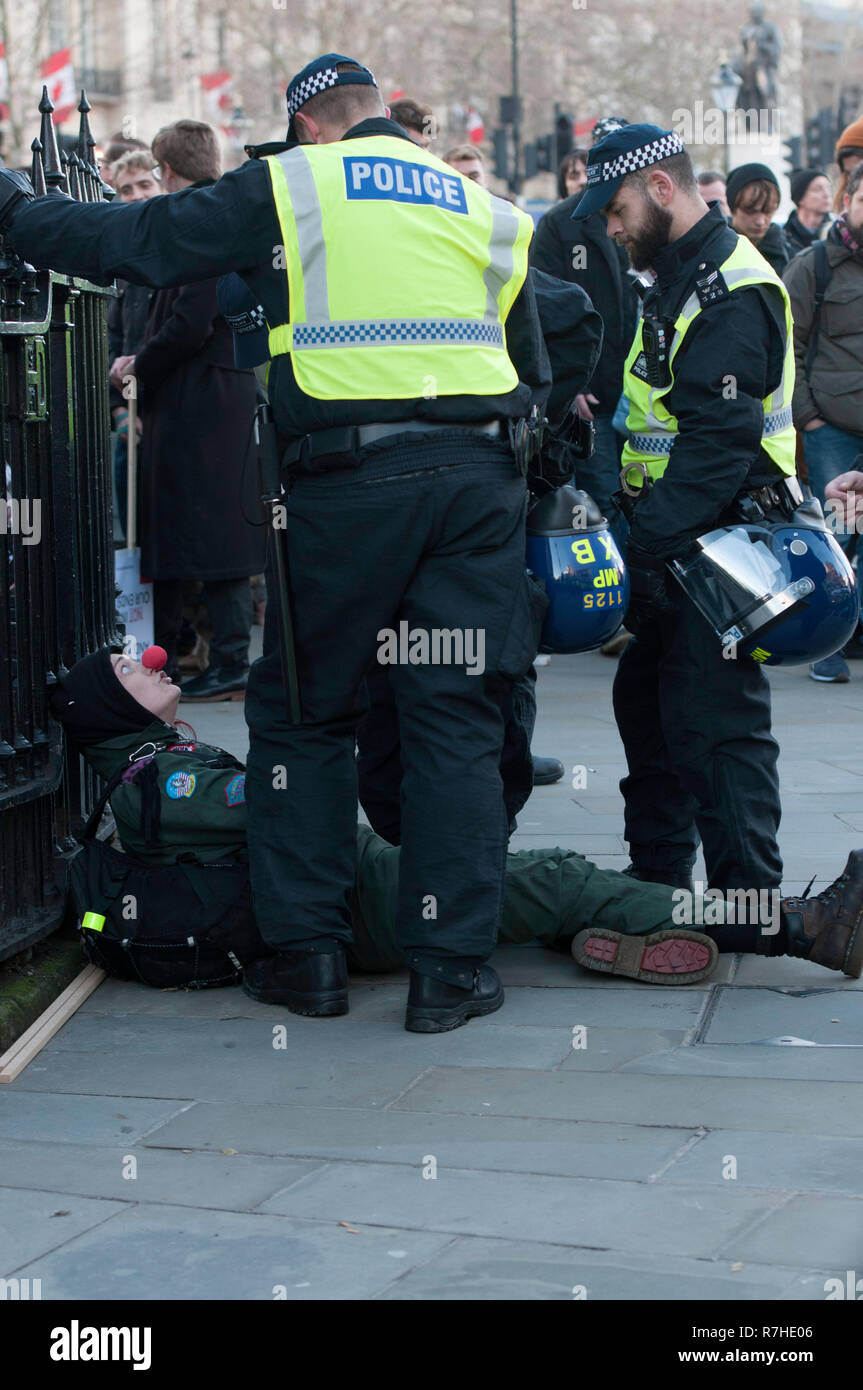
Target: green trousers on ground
{"type": "Point", "coordinates": [550, 896]}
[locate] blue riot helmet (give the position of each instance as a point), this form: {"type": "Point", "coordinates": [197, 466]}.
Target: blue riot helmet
{"type": "Point", "coordinates": [781, 592]}
{"type": "Point", "coordinates": [573, 554]}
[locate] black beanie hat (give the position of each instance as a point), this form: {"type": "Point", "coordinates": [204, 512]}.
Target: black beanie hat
{"type": "Point", "coordinates": [93, 705]}
{"type": "Point", "coordinates": [744, 174]}
{"type": "Point", "coordinates": [800, 181]}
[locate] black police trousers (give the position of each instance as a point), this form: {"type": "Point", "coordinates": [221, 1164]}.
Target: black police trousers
{"type": "Point", "coordinates": [429, 535]}
{"type": "Point", "coordinates": [701, 757]}
{"type": "Point", "coordinates": [379, 763]}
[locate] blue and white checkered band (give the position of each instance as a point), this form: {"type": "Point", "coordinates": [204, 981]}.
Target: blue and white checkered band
{"type": "Point", "coordinates": [631, 160]}
{"type": "Point", "coordinates": [313, 84]}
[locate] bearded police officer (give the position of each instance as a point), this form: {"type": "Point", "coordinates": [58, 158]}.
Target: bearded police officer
{"type": "Point", "coordinates": [403, 337]}
{"type": "Point", "coordinates": [709, 380]}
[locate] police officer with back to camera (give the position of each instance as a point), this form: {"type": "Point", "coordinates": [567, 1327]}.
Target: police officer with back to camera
{"type": "Point", "coordinates": [709, 379]}
{"type": "Point", "coordinates": [404, 338]}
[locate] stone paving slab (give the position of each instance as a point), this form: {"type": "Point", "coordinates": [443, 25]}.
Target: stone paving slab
{"type": "Point", "coordinates": [800, 1163]}
{"type": "Point", "coordinates": [235, 1182]}
{"type": "Point", "coordinates": [824, 1064]}
{"type": "Point", "coordinates": [485, 1142]}
{"type": "Point", "coordinates": [477, 1270]}
{"type": "Point", "coordinates": [242, 1076]}
{"type": "Point", "coordinates": [156, 1253]}
{"type": "Point", "coordinates": [500, 1043]}
{"type": "Point", "coordinates": [751, 1015]}
{"type": "Point", "coordinates": [607, 1049]}
{"type": "Point", "coordinates": [799, 1107]}
{"type": "Point", "coordinates": [80, 1118]}
{"type": "Point", "coordinates": [825, 1232]}
{"type": "Point", "coordinates": [647, 1218]}
{"type": "Point", "coordinates": [33, 1223]}
{"type": "Point", "coordinates": [790, 972]}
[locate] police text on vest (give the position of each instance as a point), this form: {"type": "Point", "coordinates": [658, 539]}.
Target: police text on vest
{"type": "Point", "coordinates": [401, 181]}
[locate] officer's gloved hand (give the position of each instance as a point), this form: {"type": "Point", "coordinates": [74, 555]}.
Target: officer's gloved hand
{"type": "Point", "coordinates": [15, 189]}
{"type": "Point", "coordinates": [648, 596]}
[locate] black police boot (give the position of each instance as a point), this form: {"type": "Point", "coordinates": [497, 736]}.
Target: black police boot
{"type": "Point", "coordinates": [217, 683]}
{"type": "Point", "coordinates": [436, 1007]}
{"type": "Point", "coordinates": [668, 876]}
{"type": "Point", "coordinates": [546, 771]}
{"type": "Point", "coordinates": [307, 982]}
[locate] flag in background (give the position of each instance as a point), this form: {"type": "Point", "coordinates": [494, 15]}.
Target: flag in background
{"type": "Point", "coordinates": [475, 126]}
{"type": "Point", "coordinates": [218, 100]}
{"type": "Point", "coordinates": [58, 74]}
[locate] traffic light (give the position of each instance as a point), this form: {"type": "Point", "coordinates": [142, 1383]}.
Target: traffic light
{"type": "Point", "coordinates": [794, 156]}
{"type": "Point", "coordinates": [500, 141]}
{"type": "Point", "coordinates": [563, 128]}
{"type": "Point", "coordinates": [545, 154]}
{"type": "Point", "coordinates": [530, 165]}
{"type": "Point", "coordinates": [820, 139]}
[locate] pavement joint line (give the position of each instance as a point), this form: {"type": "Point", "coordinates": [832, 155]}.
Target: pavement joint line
{"type": "Point", "coordinates": [323, 1165]}
{"type": "Point", "coordinates": [759, 1220]}
{"type": "Point", "coordinates": [420, 1264]}
{"type": "Point", "coordinates": [705, 1016]}
{"type": "Point", "coordinates": [184, 1106]}
{"type": "Point", "coordinates": [425, 1071]}
{"type": "Point", "coordinates": [112, 1216]}
{"type": "Point", "coordinates": [326, 1161]}
{"type": "Point", "coordinates": [690, 1143]}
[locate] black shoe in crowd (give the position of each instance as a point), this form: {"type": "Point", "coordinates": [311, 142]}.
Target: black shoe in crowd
{"type": "Point", "coordinates": [667, 876]}
{"type": "Point", "coordinates": [311, 983]}
{"type": "Point", "coordinates": [546, 771]}
{"type": "Point", "coordinates": [217, 683]}
{"type": "Point", "coordinates": [436, 1007]}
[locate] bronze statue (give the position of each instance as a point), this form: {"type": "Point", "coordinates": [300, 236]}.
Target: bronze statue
{"type": "Point", "coordinates": [757, 62]}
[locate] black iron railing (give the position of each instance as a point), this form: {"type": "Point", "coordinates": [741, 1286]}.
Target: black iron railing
{"type": "Point", "coordinates": [56, 549]}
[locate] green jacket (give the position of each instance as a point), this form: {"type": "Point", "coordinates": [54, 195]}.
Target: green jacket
{"type": "Point", "coordinates": [202, 799]}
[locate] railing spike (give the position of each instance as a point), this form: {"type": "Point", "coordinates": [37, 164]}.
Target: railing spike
{"type": "Point", "coordinates": [37, 169]}
{"type": "Point", "coordinates": [54, 177]}
{"type": "Point", "coordinates": [85, 135]}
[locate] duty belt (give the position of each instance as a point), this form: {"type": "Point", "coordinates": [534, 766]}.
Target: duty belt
{"type": "Point", "coordinates": [348, 439]}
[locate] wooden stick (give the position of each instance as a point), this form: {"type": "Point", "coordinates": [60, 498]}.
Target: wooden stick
{"type": "Point", "coordinates": [30, 1044]}
{"type": "Point", "coordinates": [132, 470]}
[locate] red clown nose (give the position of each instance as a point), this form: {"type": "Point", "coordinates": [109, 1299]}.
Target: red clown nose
{"type": "Point", "coordinates": [154, 658]}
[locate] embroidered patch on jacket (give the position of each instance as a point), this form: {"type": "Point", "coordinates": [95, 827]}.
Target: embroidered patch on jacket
{"type": "Point", "coordinates": [181, 748]}
{"type": "Point", "coordinates": [235, 791]}
{"type": "Point", "coordinates": [639, 368]}
{"type": "Point", "coordinates": [180, 784]}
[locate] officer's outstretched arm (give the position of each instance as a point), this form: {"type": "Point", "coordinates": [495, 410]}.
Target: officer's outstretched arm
{"type": "Point", "coordinates": [172, 239]}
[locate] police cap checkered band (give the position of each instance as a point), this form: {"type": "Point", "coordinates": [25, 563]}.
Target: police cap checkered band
{"type": "Point", "coordinates": [630, 160]}
{"type": "Point", "coordinates": [322, 74]}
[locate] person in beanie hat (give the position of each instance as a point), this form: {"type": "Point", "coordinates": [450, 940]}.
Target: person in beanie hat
{"type": "Point", "coordinates": [849, 153]}
{"type": "Point", "coordinates": [753, 197]}
{"type": "Point", "coordinates": [811, 195]}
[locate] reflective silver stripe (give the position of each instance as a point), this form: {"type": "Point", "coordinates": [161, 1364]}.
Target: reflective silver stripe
{"type": "Point", "coordinates": [658, 443]}
{"type": "Point", "coordinates": [501, 250]}
{"type": "Point", "coordinates": [357, 332]}
{"type": "Point", "coordinates": [306, 208]}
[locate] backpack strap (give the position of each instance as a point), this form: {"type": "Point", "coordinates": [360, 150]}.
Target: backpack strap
{"type": "Point", "coordinates": [150, 806]}
{"type": "Point", "coordinates": [823, 275]}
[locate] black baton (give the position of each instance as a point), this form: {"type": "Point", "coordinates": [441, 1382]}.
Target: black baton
{"type": "Point", "coordinates": [271, 495]}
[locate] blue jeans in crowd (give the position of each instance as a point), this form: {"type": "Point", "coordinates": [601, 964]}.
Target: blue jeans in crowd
{"type": "Point", "coordinates": [828, 452]}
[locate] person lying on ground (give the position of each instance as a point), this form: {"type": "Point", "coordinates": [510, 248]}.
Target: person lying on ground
{"type": "Point", "coordinates": [121, 714]}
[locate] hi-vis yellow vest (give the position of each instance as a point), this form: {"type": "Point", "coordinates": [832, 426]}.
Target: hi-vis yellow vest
{"type": "Point", "coordinates": [401, 273]}
{"type": "Point", "coordinates": [652, 428]}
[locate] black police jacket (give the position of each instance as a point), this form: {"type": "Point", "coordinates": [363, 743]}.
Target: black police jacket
{"type": "Point", "coordinates": [200, 233]}
{"type": "Point", "coordinates": [730, 360]}
{"type": "Point", "coordinates": [582, 253]}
